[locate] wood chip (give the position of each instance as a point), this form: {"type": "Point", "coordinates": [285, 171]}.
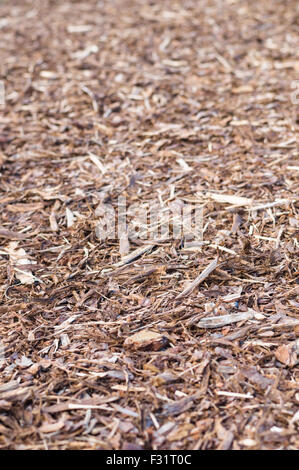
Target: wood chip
{"type": "Point", "coordinates": [222, 320]}
{"type": "Point", "coordinates": [288, 354]}
{"type": "Point", "coordinates": [146, 340]}
{"type": "Point", "coordinates": [18, 258]}
{"type": "Point", "coordinates": [47, 428]}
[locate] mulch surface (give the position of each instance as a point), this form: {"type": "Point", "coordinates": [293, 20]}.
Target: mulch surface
{"type": "Point", "coordinates": [157, 102]}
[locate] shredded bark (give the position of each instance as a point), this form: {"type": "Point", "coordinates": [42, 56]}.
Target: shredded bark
{"type": "Point", "coordinates": [140, 341]}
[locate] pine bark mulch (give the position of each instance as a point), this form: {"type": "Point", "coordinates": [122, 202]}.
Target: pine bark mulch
{"type": "Point", "coordinates": [135, 343]}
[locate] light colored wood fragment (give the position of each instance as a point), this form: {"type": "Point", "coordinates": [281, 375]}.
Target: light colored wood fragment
{"type": "Point", "coordinates": [222, 320]}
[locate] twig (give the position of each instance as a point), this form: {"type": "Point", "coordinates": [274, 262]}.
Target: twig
{"type": "Point", "coordinates": [206, 272]}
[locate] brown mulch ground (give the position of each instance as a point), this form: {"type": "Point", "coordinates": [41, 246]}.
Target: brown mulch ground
{"type": "Point", "coordinates": [154, 101]}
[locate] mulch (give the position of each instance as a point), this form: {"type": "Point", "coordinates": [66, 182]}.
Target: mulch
{"type": "Point", "coordinates": [134, 343]}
